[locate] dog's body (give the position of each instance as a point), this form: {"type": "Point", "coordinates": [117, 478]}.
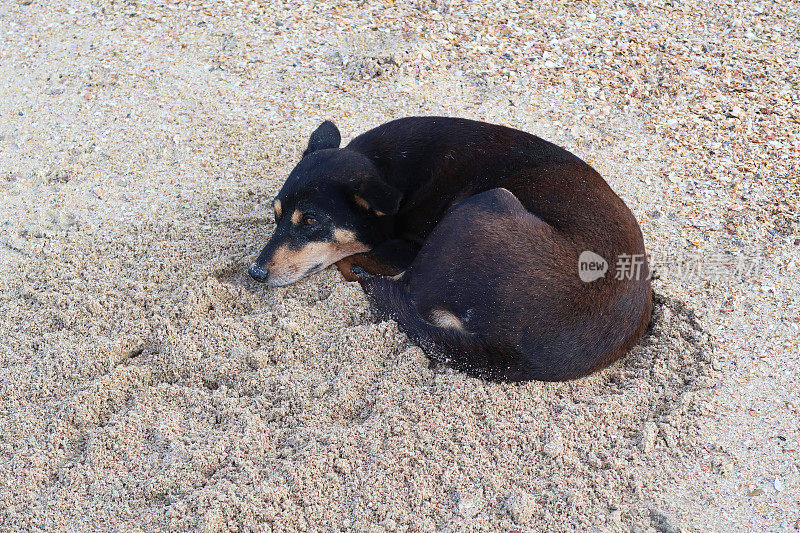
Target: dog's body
{"type": "Point", "coordinates": [495, 292]}
{"type": "Point", "coordinates": [487, 281]}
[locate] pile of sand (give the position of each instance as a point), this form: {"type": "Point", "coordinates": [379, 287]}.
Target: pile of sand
{"type": "Point", "coordinates": [216, 402]}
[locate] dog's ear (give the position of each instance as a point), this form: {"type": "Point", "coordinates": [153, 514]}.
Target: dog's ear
{"type": "Point", "coordinates": [325, 136]}
{"type": "Point", "coordinates": [378, 196]}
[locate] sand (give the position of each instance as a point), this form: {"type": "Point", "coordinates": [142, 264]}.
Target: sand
{"type": "Point", "coordinates": [148, 385]}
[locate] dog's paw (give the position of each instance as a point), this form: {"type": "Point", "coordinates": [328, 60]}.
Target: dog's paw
{"type": "Point", "coordinates": [360, 273]}
{"type": "Point", "coordinates": [344, 266]}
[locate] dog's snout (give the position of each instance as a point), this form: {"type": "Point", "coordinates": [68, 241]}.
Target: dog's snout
{"type": "Point", "coordinates": [257, 273]}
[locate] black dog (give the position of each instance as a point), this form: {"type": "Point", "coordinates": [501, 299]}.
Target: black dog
{"type": "Point", "coordinates": [472, 236]}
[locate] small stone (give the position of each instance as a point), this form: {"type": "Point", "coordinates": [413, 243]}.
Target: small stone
{"type": "Point", "coordinates": [258, 359]}
{"type": "Point", "coordinates": [778, 484]}
{"type": "Point", "coordinates": [98, 192]}
{"type": "Point", "coordinates": [290, 326]}
{"type": "Point", "coordinates": [555, 446]}
{"type": "Point", "coordinates": [521, 507]}
{"type": "Point", "coordinates": [212, 521]}
{"type": "Point", "coordinates": [663, 522]}
{"type": "Point", "coordinates": [343, 466]}
{"type": "Point", "coordinates": [647, 441]}
{"type": "Point", "coordinates": [467, 507]}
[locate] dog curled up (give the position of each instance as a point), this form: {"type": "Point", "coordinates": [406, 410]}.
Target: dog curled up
{"type": "Point", "coordinates": [490, 246]}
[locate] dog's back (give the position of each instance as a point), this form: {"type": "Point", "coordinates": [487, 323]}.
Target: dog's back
{"type": "Point", "coordinates": [438, 161]}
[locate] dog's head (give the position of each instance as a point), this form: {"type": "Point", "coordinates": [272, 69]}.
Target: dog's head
{"type": "Point", "coordinates": [333, 204]}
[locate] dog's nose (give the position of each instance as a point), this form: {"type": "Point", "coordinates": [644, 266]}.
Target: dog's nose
{"type": "Point", "coordinates": [257, 273]}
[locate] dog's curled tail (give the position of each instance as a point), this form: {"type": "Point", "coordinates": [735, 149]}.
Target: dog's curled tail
{"type": "Point", "coordinates": [462, 350]}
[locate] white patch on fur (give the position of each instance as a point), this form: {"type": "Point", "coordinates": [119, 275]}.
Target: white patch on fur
{"type": "Point", "coordinates": [445, 319]}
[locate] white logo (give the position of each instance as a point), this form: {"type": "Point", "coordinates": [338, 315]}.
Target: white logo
{"type": "Point", "coordinates": [591, 266]}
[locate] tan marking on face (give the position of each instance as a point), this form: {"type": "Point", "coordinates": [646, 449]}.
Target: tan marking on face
{"type": "Point", "coordinates": [445, 319]}
{"type": "Point", "coordinates": [297, 216]}
{"type": "Point", "coordinates": [278, 208]}
{"type": "Point", "coordinates": [288, 266]}
{"type": "Point", "coordinates": [363, 203]}
{"type": "Point", "coordinates": [360, 201]}
{"type": "Point", "coordinates": [347, 244]}
{"type": "Point", "coordinates": [343, 236]}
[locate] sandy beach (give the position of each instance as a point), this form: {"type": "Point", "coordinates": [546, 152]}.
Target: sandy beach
{"type": "Point", "coordinates": [147, 384]}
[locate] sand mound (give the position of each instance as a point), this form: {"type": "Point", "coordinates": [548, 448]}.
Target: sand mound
{"type": "Point", "coordinates": [218, 403]}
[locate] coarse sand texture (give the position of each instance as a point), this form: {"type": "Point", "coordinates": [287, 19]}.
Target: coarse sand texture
{"type": "Point", "coordinates": [147, 384]}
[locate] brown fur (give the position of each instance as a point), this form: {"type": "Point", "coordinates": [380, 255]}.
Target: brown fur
{"type": "Point", "coordinates": [361, 202]}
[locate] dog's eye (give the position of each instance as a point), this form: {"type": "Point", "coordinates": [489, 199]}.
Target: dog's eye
{"type": "Point", "coordinates": [310, 221]}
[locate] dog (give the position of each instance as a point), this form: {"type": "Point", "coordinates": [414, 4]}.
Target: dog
{"type": "Point", "coordinates": [473, 236]}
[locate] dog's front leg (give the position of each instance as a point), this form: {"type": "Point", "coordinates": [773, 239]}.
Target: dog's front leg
{"type": "Point", "coordinates": [345, 267]}
{"type": "Point", "coordinates": [387, 259]}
